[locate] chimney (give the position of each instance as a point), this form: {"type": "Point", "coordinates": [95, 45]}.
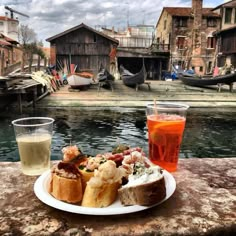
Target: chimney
{"type": "Point", "coordinates": [197, 13]}
{"type": "Point", "coordinates": [197, 61]}
{"type": "Point", "coordinates": [197, 25]}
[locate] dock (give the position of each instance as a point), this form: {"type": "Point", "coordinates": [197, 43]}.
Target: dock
{"type": "Point", "coordinates": [19, 87]}
{"type": "Point", "coordinates": [123, 96]}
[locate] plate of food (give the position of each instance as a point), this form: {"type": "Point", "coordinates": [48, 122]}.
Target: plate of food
{"type": "Point", "coordinates": [108, 184]}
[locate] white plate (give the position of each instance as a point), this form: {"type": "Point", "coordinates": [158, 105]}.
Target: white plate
{"type": "Point", "coordinates": [40, 189]}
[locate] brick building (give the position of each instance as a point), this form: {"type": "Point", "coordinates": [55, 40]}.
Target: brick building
{"type": "Point", "coordinates": [226, 36]}
{"type": "Point", "coordinates": [189, 33]}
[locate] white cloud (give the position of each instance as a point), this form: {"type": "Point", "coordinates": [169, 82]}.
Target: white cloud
{"type": "Point", "coordinates": [50, 17]}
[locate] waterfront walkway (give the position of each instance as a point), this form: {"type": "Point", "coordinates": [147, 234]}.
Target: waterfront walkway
{"type": "Point", "coordinates": [202, 204]}
{"type": "Point", "coordinates": [123, 96]}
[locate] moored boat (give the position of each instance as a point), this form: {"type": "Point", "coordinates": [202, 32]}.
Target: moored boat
{"type": "Point", "coordinates": [105, 78]}
{"type": "Point", "coordinates": [133, 80]}
{"type": "Point", "coordinates": [77, 81]}
{"type": "Point", "coordinates": [205, 81]}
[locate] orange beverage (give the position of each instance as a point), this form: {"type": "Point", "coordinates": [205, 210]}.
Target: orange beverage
{"type": "Point", "coordinates": [165, 131]}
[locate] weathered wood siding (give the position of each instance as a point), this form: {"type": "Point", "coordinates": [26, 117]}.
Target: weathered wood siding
{"type": "Point", "coordinates": [84, 48]}
{"type": "Point", "coordinates": [228, 42]}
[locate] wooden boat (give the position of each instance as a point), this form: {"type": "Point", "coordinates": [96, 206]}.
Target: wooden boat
{"type": "Point", "coordinates": [206, 81]}
{"type": "Point", "coordinates": [133, 80]}
{"type": "Point", "coordinates": [104, 75]}
{"type": "Point", "coordinates": [105, 79]}
{"type": "Point", "coordinates": [77, 81]}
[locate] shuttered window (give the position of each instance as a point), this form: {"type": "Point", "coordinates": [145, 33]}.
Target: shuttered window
{"type": "Point", "coordinates": [211, 42]}
{"type": "Point", "coordinates": [180, 42]}
{"type": "Point", "coordinates": [235, 15]}
{"type": "Point", "coordinates": [181, 22]}
{"type": "Point", "coordinates": [228, 15]}
{"type": "Point", "coordinates": [211, 22]}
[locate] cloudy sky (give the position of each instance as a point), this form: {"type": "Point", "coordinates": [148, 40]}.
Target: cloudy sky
{"type": "Point", "coordinates": [50, 17]}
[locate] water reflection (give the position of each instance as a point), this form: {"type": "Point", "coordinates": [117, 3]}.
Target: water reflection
{"type": "Point", "coordinates": [207, 134]}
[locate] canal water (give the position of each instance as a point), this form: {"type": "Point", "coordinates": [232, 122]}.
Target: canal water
{"type": "Point", "coordinates": [208, 133]}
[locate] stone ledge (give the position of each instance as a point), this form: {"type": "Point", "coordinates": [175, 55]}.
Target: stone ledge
{"type": "Point", "coordinates": [204, 203]}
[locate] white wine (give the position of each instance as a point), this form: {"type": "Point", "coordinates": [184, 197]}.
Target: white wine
{"type": "Point", "coordinates": [35, 151]}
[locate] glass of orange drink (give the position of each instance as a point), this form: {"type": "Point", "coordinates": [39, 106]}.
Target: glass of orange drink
{"type": "Point", "coordinates": [165, 122]}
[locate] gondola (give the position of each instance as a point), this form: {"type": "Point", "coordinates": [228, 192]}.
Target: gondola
{"type": "Point", "coordinates": [104, 75]}
{"type": "Point", "coordinates": [133, 80]}
{"type": "Point", "coordinates": [105, 79]}
{"type": "Point", "coordinates": [207, 81]}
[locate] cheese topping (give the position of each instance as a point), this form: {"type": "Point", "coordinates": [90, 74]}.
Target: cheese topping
{"type": "Point", "coordinates": [143, 175]}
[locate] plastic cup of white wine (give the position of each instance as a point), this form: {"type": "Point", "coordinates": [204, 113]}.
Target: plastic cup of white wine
{"type": "Point", "coordinates": [34, 138]}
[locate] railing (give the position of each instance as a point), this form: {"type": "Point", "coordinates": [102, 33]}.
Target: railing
{"type": "Point", "coordinates": [159, 47]}
{"type": "Point", "coordinates": [134, 42]}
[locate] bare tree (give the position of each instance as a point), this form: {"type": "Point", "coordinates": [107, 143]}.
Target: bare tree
{"type": "Point", "coordinates": [30, 46]}
{"type": "Point", "coordinates": [26, 35]}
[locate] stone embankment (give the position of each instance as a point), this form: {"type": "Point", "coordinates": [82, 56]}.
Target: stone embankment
{"type": "Point", "coordinates": [123, 96]}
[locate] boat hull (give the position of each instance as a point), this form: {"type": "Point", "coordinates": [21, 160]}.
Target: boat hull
{"type": "Point", "coordinates": [76, 81]}
{"type": "Point", "coordinates": [130, 79]}
{"type": "Point", "coordinates": [202, 82]}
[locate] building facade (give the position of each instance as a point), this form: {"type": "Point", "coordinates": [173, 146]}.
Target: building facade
{"type": "Point", "coordinates": [189, 34]}
{"type": "Point", "coordinates": [83, 46]}
{"type": "Point", "coordinates": [137, 36]}
{"type": "Point", "coordinates": [226, 35]}
{"type": "Point", "coordinates": [9, 27]}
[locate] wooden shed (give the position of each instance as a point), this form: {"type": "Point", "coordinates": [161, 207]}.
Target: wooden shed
{"type": "Point", "coordinates": [83, 46]}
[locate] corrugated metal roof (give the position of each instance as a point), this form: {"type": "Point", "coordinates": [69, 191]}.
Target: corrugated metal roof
{"type": "Point", "coordinates": [186, 11]}
{"type": "Point", "coordinates": [82, 25]}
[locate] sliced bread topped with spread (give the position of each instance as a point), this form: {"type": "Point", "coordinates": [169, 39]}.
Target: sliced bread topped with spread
{"type": "Point", "coordinates": [146, 186]}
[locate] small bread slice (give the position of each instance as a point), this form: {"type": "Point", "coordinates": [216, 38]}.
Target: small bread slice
{"type": "Point", "coordinates": [100, 196]}
{"type": "Point", "coordinates": [65, 182]}
{"type": "Point", "coordinates": [144, 194]}
{"type": "Point", "coordinates": [101, 190]}
{"type": "Point", "coordinates": [85, 177]}
{"type": "Point", "coordinates": [64, 189]}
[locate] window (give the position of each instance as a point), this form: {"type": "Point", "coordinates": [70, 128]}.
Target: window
{"type": "Point", "coordinates": [211, 22]}
{"type": "Point", "coordinates": [164, 24]}
{"type": "Point", "coordinates": [181, 22]}
{"type": "Point", "coordinates": [1, 23]}
{"type": "Point", "coordinates": [94, 38]}
{"type": "Point", "coordinates": [211, 42]}
{"type": "Point", "coordinates": [209, 68]}
{"type": "Point", "coordinates": [180, 42]}
{"type": "Point", "coordinates": [235, 15]}
{"type": "Point", "coordinates": [201, 68]}
{"type": "Point", "coordinates": [228, 15]}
